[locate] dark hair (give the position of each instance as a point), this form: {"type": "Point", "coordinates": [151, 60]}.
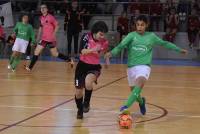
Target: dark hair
{"type": "Point", "coordinates": [99, 26]}
{"type": "Point", "coordinates": [22, 15]}
{"type": "Point", "coordinates": [44, 4]}
{"type": "Point", "coordinates": [142, 18]}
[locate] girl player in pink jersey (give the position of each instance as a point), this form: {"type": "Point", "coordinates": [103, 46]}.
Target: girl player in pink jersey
{"type": "Point", "coordinates": [88, 68]}
{"type": "Point", "coordinates": [48, 28]}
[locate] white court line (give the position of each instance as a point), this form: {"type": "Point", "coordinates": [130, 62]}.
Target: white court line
{"type": "Point", "coordinates": [154, 86]}
{"type": "Point", "coordinates": [177, 115]}
{"type": "Point", "coordinates": [99, 111]}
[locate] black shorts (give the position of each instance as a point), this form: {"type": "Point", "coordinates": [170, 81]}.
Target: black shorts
{"type": "Point", "coordinates": [82, 70]}
{"type": "Point", "coordinates": [47, 44]}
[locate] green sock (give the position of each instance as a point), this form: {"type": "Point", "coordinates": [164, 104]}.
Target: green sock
{"type": "Point", "coordinates": [133, 96]}
{"type": "Point", "coordinates": [140, 100]}
{"type": "Point", "coordinates": [15, 62]}
{"type": "Point", "coordinates": [11, 60]}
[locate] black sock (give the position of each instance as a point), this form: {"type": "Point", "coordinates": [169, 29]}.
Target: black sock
{"type": "Point", "coordinates": [33, 61]}
{"type": "Point", "coordinates": [63, 57]}
{"type": "Point", "coordinates": [79, 103]}
{"type": "Point", "coordinates": [88, 94]}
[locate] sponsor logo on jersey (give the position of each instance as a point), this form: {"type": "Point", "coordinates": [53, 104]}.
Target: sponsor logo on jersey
{"type": "Point", "coordinates": [140, 48]}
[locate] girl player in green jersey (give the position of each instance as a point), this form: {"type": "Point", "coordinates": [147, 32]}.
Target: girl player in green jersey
{"type": "Point", "coordinates": [23, 32]}
{"type": "Point", "coordinates": [140, 45]}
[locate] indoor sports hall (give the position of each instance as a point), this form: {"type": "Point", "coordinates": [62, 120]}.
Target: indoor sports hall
{"type": "Point", "coordinates": [41, 101]}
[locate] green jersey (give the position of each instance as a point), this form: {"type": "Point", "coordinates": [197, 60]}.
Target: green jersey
{"type": "Point", "coordinates": [140, 47]}
{"type": "Point", "coordinates": [24, 31]}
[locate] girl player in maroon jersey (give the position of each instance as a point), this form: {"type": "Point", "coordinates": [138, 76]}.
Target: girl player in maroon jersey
{"type": "Point", "coordinates": [88, 68]}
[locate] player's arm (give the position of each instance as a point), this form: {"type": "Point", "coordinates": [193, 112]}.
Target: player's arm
{"type": "Point", "coordinates": [15, 30]}
{"type": "Point", "coordinates": [107, 60]}
{"type": "Point", "coordinates": [84, 45]}
{"type": "Point", "coordinates": [56, 25]}
{"type": "Point", "coordinates": [105, 47]}
{"type": "Point", "coordinates": [168, 45]}
{"type": "Point", "coordinates": [88, 51]}
{"type": "Point", "coordinates": [56, 28]}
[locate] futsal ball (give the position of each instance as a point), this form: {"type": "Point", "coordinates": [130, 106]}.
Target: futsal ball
{"type": "Point", "coordinates": [125, 121]}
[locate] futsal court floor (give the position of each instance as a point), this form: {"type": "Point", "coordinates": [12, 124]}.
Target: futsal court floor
{"type": "Point", "coordinates": [42, 101]}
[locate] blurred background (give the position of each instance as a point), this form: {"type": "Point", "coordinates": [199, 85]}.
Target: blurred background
{"type": "Point", "coordinates": [177, 21]}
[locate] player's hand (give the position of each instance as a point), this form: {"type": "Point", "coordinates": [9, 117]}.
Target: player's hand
{"type": "Point", "coordinates": [107, 59]}
{"type": "Point", "coordinates": [13, 35]}
{"type": "Point", "coordinates": [107, 62]}
{"type": "Point", "coordinates": [183, 51]}
{"type": "Point", "coordinates": [33, 44]}
{"type": "Point", "coordinates": [107, 55]}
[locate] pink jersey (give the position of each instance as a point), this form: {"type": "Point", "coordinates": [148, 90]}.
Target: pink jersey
{"type": "Point", "coordinates": [48, 24]}
{"type": "Point", "coordinates": [89, 43]}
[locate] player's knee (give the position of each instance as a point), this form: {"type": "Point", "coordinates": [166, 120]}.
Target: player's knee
{"type": "Point", "coordinates": [37, 52]}
{"type": "Point", "coordinates": [90, 79]}
{"type": "Point", "coordinates": [89, 83]}
{"type": "Point", "coordinates": [14, 54]}
{"type": "Point", "coordinates": [54, 54]}
{"type": "Point", "coordinates": [140, 81]}
{"type": "Point", "coordinates": [79, 93]}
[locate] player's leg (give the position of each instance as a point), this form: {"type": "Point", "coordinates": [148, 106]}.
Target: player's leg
{"type": "Point", "coordinates": [34, 59]}
{"type": "Point", "coordinates": [135, 93]}
{"type": "Point", "coordinates": [79, 82]}
{"type": "Point", "coordinates": [19, 47]}
{"type": "Point", "coordinates": [89, 80]}
{"type": "Point", "coordinates": [55, 53]}
{"type": "Point", "coordinates": [137, 76]}
{"type": "Point", "coordinates": [15, 49]}
{"type": "Point", "coordinates": [141, 100]}
{"type": "Point", "coordinates": [28, 51]}
{"type": "Point", "coordinates": [79, 102]}
{"type": "Point", "coordinates": [12, 57]}
{"type": "Point", "coordinates": [16, 60]}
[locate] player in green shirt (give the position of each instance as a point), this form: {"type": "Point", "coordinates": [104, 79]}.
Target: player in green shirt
{"type": "Point", "coordinates": [23, 33]}
{"type": "Point", "coordinates": [140, 45]}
